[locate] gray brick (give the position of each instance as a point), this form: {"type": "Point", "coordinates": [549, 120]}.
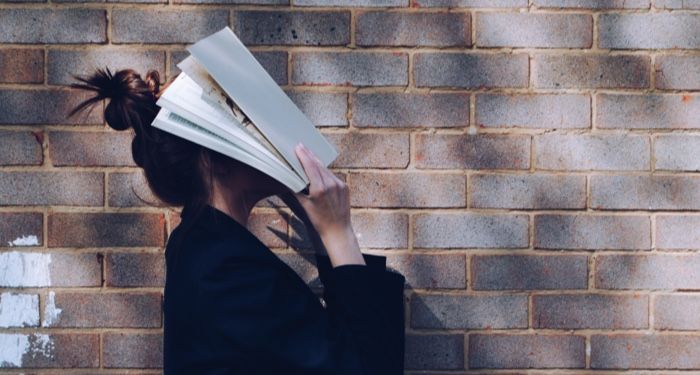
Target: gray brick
{"type": "Point", "coordinates": [413, 29]}
{"type": "Point", "coordinates": [658, 271]}
{"type": "Point", "coordinates": [680, 152]}
{"type": "Point", "coordinates": [678, 232]}
{"type": "Point", "coordinates": [319, 28]}
{"type": "Point", "coordinates": [468, 312]}
{"type": "Point", "coordinates": [434, 352]}
{"type": "Point", "coordinates": [125, 350]}
{"type": "Point", "coordinates": [546, 30]}
{"type": "Point", "coordinates": [529, 272]}
{"type": "Point", "coordinates": [103, 229]}
{"type": "Point", "coordinates": [135, 270]}
{"type": "Point", "coordinates": [431, 271]}
{"type": "Point", "coordinates": [531, 191]}
{"type": "Point", "coordinates": [596, 311]}
{"type": "Point", "coordinates": [165, 26]}
{"type": "Point", "coordinates": [470, 230]}
{"type": "Point", "coordinates": [649, 30]}
{"type": "Point", "coordinates": [115, 310]}
{"type": "Point", "coordinates": [677, 72]}
{"type": "Point", "coordinates": [647, 192]}
{"type": "Point", "coordinates": [381, 229]}
{"type": "Point", "coordinates": [472, 3]}
{"type": "Point", "coordinates": [129, 189]}
{"type": "Point", "coordinates": [642, 351]}
{"type": "Point", "coordinates": [24, 107]}
{"type": "Point", "coordinates": [370, 150]}
{"type": "Point", "coordinates": [595, 232]}
{"type": "Point", "coordinates": [21, 229]}
{"type": "Point", "coordinates": [593, 4]}
{"type": "Point", "coordinates": [51, 188]}
{"type": "Point", "coordinates": [410, 110]}
{"type": "Point", "coordinates": [677, 4]}
{"type": "Point", "coordinates": [660, 111]}
{"type": "Point", "coordinates": [356, 68]}
{"type": "Point", "coordinates": [54, 26]}
{"type": "Point", "coordinates": [63, 63]}
{"type": "Point", "coordinates": [21, 66]}
{"type": "Point", "coordinates": [409, 189]}
{"type": "Point", "coordinates": [592, 152]}
{"type": "Point", "coordinates": [352, 3]}
{"type": "Point", "coordinates": [442, 151]}
{"type": "Point", "coordinates": [258, 2]}
{"type": "Point", "coordinates": [470, 70]}
{"type": "Point", "coordinates": [677, 312]}
{"type": "Point", "coordinates": [526, 351]}
{"type": "Point", "coordinates": [322, 108]}
{"type": "Point", "coordinates": [21, 148]}
{"type": "Point", "coordinates": [50, 269]}
{"type": "Point", "coordinates": [591, 71]}
{"type": "Point", "coordinates": [91, 148]}
{"type": "Point", "coordinates": [552, 111]}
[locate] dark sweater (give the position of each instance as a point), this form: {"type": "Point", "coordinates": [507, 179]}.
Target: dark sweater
{"type": "Point", "coordinates": [232, 306]}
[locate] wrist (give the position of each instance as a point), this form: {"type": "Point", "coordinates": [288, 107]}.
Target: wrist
{"type": "Point", "coordinates": [342, 246]}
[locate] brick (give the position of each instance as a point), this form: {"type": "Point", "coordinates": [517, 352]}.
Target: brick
{"type": "Point", "coordinates": [677, 152]}
{"type": "Point", "coordinates": [551, 111]}
{"type": "Point", "coordinates": [269, 228]}
{"type": "Point", "coordinates": [595, 311]}
{"type": "Point", "coordinates": [648, 192]}
{"type": "Point", "coordinates": [21, 148]}
{"type": "Point", "coordinates": [677, 312]}
{"type": "Point", "coordinates": [410, 110]}
{"type": "Point", "coordinates": [370, 150]}
{"type": "Point", "coordinates": [316, 28]}
{"type": "Point", "coordinates": [54, 26]}
{"type": "Point", "coordinates": [19, 310]}
{"type": "Point", "coordinates": [641, 351]}
{"type": "Point", "coordinates": [592, 152]}
{"type": "Point", "coordinates": [470, 230]}
{"type": "Point", "coordinates": [106, 229]}
{"type": "Point", "coordinates": [660, 30]}
{"type": "Point", "coordinates": [260, 2]}
{"type": "Point", "coordinates": [676, 4]}
{"type": "Point", "coordinates": [21, 66]}
{"type": "Point", "coordinates": [431, 271]}
{"type": "Point", "coordinates": [526, 351]}
{"type": "Point", "coordinates": [468, 312]}
{"type": "Point", "coordinates": [409, 189]}
{"type": "Point", "coordinates": [91, 148]}
{"type": "Point", "coordinates": [531, 191]}
{"type": "Point", "coordinates": [380, 229]}
{"type": "Point", "coordinates": [529, 272]}
{"type": "Point", "coordinates": [322, 108]}
{"type": "Point", "coordinates": [41, 350]}
{"type": "Point", "coordinates": [63, 63]}
{"type": "Point", "coordinates": [24, 107]}
{"type": "Point", "coordinates": [472, 3]}
{"type": "Point", "coordinates": [129, 189]}
{"type": "Point", "coordinates": [165, 26]}
{"type": "Point", "coordinates": [677, 72]}
{"type": "Point", "coordinates": [125, 350]}
{"type": "Point", "coordinates": [51, 188]}
{"type": "Point", "coordinates": [593, 4]}
{"type": "Point", "coordinates": [658, 271]}
{"type": "Point", "coordinates": [304, 267]}
{"type": "Point", "coordinates": [663, 111]}
{"type": "Point", "coordinates": [413, 29]}
{"type": "Point", "coordinates": [135, 270]}
{"type": "Point", "coordinates": [356, 68]}
{"type": "Point", "coordinates": [84, 310]}
{"type": "Point", "coordinates": [353, 3]}
{"type": "Point", "coordinates": [594, 232]}
{"type": "Point", "coordinates": [49, 269]}
{"type": "Point", "coordinates": [591, 71]}
{"type": "Point", "coordinates": [434, 352]}
{"type": "Point", "coordinates": [485, 70]}
{"type": "Point", "coordinates": [464, 151]}
{"type": "Point", "coordinates": [21, 229]}
{"type": "Point", "coordinates": [678, 232]}
{"type": "Point", "coordinates": [545, 30]}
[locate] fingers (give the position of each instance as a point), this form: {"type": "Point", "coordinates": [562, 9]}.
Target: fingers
{"type": "Point", "coordinates": [311, 168]}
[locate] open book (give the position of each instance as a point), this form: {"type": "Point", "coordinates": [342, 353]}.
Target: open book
{"type": "Point", "coordinates": [226, 101]}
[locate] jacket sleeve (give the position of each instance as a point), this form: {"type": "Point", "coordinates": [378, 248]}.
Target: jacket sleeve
{"type": "Point", "coordinates": [280, 327]}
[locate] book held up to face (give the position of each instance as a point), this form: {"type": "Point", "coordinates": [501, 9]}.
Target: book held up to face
{"type": "Point", "coordinates": [224, 100]}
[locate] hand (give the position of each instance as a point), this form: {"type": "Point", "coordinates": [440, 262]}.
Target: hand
{"type": "Point", "coordinates": [293, 203]}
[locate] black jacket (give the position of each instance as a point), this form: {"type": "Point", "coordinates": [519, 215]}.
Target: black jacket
{"type": "Point", "coordinates": [231, 306]}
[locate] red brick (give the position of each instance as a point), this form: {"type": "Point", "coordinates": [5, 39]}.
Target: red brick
{"type": "Point", "coordinates": [21, 148]}
{"type": "Point", "coordinates": [52, 188]}
{"type": "Point", "coordinates": [21, 229]}
{"type": "Point", "coordinates": [130, 189]}
{"type": "Point", "coordinates": [21, 66]}
{"type": "Point", "coordinates": [106, 229]}
{"type": "Point", "coordinates": [105, 310]}
{"type": "Point", "coordinates": [526, 351]}
{"type": "Point", "coordinates": [642, 351]}
{"type": "Point", "coordinates": [370, 150]}
{"type": "Point", "coordinates": [135, 270]}
{"type": "Point", "coordinates": [91, 148]}
{"type": "Point", "coordinates": [597, 311]}
{"type": "Point", "coordinates": [127, 350]}
{"type": "Point", "coordinates": [53, 350]}
{"type": "Point", "coordinates": [442, 151]}
{"type": "Point", "coordinates": [410, 189]}
{"type": "Point", "coordinates": [50, 269]}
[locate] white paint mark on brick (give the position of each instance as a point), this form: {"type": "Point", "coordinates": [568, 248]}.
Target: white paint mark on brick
{"type": "Point", "coordinates": [19, 310]}
{"type": "Point", "coordinates": [16, 345]}
{"type": "Point", "coordinates": [51, 312]}
{"type": "Point", "coordinates": [20, 269]}
{"type": "Point", "coordinates": [29, 240]}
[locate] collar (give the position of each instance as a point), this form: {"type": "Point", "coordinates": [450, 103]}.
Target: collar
{"type": "Point", "coordinates": [211, 218]}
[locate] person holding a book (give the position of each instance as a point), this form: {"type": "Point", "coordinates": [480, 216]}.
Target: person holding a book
{"type": "Point", "coordinates": [231, 306]}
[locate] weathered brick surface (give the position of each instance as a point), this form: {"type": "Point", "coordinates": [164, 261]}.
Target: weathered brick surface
{"type": "Point", "coordinates": [555, 70]}
{"type": "Point", "coordinates": [472, 3]}
{"type": "Point", "coordinates": [323, 109]}
{"type": "Point", "coordinates": [370, 150]}
{"type": "Point", "coordinates": [533, 111]}
{"type": "Point", "coordinates": [637, 351]}
{"type": "Point", "coordinates": [677, 152]}
{"type": "Point", "coordinates": [529, 272]}
{"type": "Point", "coordinates": [677, 312]}
{"type": "Point", "coordinates": [165, 26]}
{"type": "Point", "coordinates": [19, 310]}
{"type": "Point", "coordinates": [105, 229]}
{"type": "Point", "coordinates": [577, 311]}
{"type": "Point", "coordinates": [134, 270]}
{"type": "Point", "coordinates": [21, 66]}
{"type": "Point", "coordinates": [104, 310]}
{"type": "Point", "coordinates": [410, 110]}
{"type": "Point", "coordinates": [439, 151]}
{"type": "Point", "coordinates": [595, 232]}
{"type": "Point", "coordinates": [435, 271]}
{"type": "Point", "coordinates": [21, 106]}
{"type": "Point", "coordinates": [410, 189]}
{"type": "Point", "coordinates": [353, 3]}
{"type": "Point", "coordinates": [645, 192]}
{"type": "Point", "coordinates": [317, 28]}
{"type": "Point", "coordinates": [270, 228]}
{"type": "Point", "coordinates": [64, 63]}
{"type": "Point", "coordinates": [470, 230]}
{"type": "Point", "coordinates": [530, 191]}
{"type": "Point", "coordinates": [665, 111]}
{"type": "Point", "coordinates": [129, 189]}
{"type": "Point", "coordinates": [470, 70]}
{"type": "Point", "coordinates": [350, 68]}
{"type": "Point", "coordinates": [413, 29]}
{"type": "Point", "coordinates": [592, 152]}
{"type": "Point", "coordinates": [51, 188]}
{"type": "Point", "coordinates": [126, 350]}
{"type": "Point", "coordinates": [678, 232]}
{"type": "Point", "coordinates": [593, 4]}
{"type": "Point", "coordinates": [677, 72]}
{"type": "Point", "coordinates": [533, 30]}
{"type": "Point", "coordinates": [20, 148]}
{"type": "Point", "coordinates": [59, 269]}
{"type": "Point", "coordinates": [434, 351]}
{"type": "Point", "coordinates": [648, 30]}
{"type": "Point", "coordinates": [91, 148]}
{"type": "Point", "coordinates": [21, 229]}
{"type": "Point", "coordinates": [526, 351]}
{"type": "Point", "coordinates": [51, 350]}
{"type": "Point", "coordinates": [659, 271]}
{"type": "Point", "coordinates": [56, 26]}
{"type": "Point", "coordinates": [676, 4]}
{"type": "Point", "coordinates": [381, 229]}
{"type": "Point", "coordinates": [469, 312]}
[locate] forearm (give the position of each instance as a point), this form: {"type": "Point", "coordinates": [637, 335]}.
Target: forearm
{"type": "Point", "coordinates": [342, 247]}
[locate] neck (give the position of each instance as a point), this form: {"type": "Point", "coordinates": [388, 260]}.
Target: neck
{"type": "Point", "coordinates": [236, 203]}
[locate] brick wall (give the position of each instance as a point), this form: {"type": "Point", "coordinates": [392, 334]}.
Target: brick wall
{"type": "Point", "coordinates": [529, 166]}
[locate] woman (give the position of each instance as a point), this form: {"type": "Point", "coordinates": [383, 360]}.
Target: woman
{"type": "Point", "coordinates": [231, 306]}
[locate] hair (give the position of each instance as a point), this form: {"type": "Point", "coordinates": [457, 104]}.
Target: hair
{"type": "Point", "coordinates": [178, 172]}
